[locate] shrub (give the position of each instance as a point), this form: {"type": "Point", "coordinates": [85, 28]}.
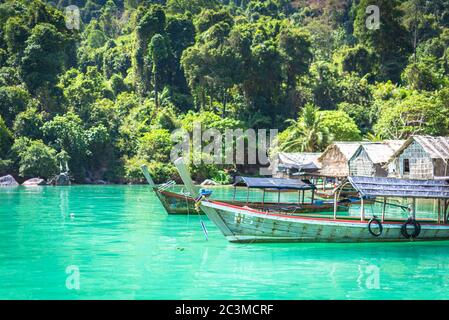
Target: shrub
{"type": "Point", "coordinates": [5, 139]}
{"type": "Point", "coordinates": [155, 145]}
{"type": "Point", "coordinates": [160, 172]}
{"type": "Point", "coordinates": [35, 159]}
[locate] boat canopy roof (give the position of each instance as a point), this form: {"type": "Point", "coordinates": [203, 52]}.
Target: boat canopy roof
{"type": "Point", "coordinates": [273, 183]}
{"type": "Point", "coordinates": [392, 187]}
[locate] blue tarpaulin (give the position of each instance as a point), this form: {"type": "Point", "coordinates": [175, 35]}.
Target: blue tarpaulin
{"type": "Point", "coordinates": [392, 187]}
{"type": "Point", "coordinates": [273, 183]}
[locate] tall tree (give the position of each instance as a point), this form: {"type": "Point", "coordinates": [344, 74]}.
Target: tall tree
{"type": "Point", "coordinates": [150, 21]}
{"type": "Point", "coordinates": [159, 52]}
{"type": "Point", "coordinates": [389, 41]}
{"type": "Point", "coordinates": [43, 60]}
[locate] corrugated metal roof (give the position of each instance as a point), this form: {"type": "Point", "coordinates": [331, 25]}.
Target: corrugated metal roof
{"type": "Point", "coordinates": [273, 183]}
{"type": "Point", "coordinates": [391, 187]}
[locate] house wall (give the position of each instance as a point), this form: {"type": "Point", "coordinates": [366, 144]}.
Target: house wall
{"type": "Point", "coordinates": [380, 171]}
{"type": "Point", "coordinates": [421, 165]}
{"type": "Point", "coordinates": [285, 174]}
{"type": "Point", "coordinates": [334, 163]}
{"type": "Point", "coordinates": [393, 168]}
{"type": "Point", "coordinates": [361, 165]}
{"type": "Point", "coordinates": [441, 169]}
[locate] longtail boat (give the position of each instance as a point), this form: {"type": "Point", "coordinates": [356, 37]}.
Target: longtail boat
{"type": "Point", "coordinates": [329, 194]}
{"type": "Point", "coordinates": [183, 203]}
{"type": "Point", "coordinates": [243, 224]}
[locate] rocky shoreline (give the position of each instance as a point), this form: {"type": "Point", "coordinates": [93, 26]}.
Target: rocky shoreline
{"type": "Point", "coordinates": [61, 179]}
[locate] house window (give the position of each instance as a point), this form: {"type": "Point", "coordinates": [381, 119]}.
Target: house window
{"type": "Point", "coordinates": [406, 166]}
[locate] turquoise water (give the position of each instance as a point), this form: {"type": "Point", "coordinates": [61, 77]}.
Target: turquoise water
{"type": "Point", "coordinates": [125, 247]}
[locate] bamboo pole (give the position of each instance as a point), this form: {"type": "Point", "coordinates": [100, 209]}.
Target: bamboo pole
{"type": "Point", "coordinates": [362, 209]}
{"type": "Point", "coordinates": [335, 206]}
{"type": "Point", "coordinates": [439, 211]}
{"type": "Point", "coordinates": [146, 173]}
{"type": "Point", "coordinates": [211, 213]}
{"type": "Point", "coordinates": [185, 176]}
{"type": "Point", "coordinates": [383, 208]}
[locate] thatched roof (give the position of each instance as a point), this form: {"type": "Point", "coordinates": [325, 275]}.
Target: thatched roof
{"type": "Point", "coordinates": [391, 187]}
{"type": "Point", "coordinates": [379, 152]}
{"type": "Point", "coordinates": [334, 160]}
{"type": "Point", "coordinates": [435, 147]}
{"type": "Point", "coordinates": [347, 149]}
{"type": "Point", "coordinates": [299, 160]}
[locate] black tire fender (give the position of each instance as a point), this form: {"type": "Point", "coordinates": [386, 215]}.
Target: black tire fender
{"type": "Point", "coordinates": [417, 229]}
{"type": "Point", "coordinates": [379, 223]}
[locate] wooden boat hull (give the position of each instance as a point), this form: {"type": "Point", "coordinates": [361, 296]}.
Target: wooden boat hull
{"type": "Point", "coordinates": [176, 203]}
{"type": "Point", "coordinates": [329, 195]}
{"type": "Point", "coordinates": [240, 224]}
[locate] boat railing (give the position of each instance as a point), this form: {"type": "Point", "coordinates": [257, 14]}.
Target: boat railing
{"type": "Point", "coordinates": [166, 185]}
{"type": "Point", "coordinates": [185, 193]}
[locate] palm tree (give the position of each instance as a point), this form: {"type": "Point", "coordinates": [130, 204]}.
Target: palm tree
{"type": "Point", "coordinates": [307, 134]}
{"type": "Point", "coordinates": [373, 137]}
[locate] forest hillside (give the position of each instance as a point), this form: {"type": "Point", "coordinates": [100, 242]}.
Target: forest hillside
{"type": "Point", "coordinates": [105, 94]}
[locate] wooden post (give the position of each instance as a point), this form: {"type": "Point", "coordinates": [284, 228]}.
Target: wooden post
{"type": "Point", "coordinates": [383, 209]}
{"type": "Point", "coordinates": [247, 195]}
{"type": "Point", "coordinates": [439, 211]}
{"type": "Point", "coordinates": [299, 197]}
{"type": "Point", "coordinates": [313, 195]}
{"type": "Point", "coordinates": [444, 211]}
{"type": "Point", "coordinates": [362, 209]}
{"type": "Point", "coordinates": [263, 199]}
{"type": "Point", "coordinates": [414, 208]}
{"type": "Point", "coordinates": [303, 195]}
{"type": "Point", "coordinates": [235, 189]}
{"type": "Point", "coordinates": [335, 206]}
{"type": "Point", "coordinates": [279, 196]}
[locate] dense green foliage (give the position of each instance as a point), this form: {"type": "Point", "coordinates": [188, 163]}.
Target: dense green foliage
{"type": "Point", "coordinates": [106, 97]}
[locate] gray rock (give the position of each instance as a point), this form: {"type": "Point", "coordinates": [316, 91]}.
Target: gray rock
{"type": "Point", "coordinates": [100, 182]}
{"type": "Point", "coordinates": [209, 182]}
{"type": "Point", "coordinates": [8, 181]}
{"type": "Point", "coordinates": [34, 182]}
{"type": "Point", "coordinates": [61, 179]}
